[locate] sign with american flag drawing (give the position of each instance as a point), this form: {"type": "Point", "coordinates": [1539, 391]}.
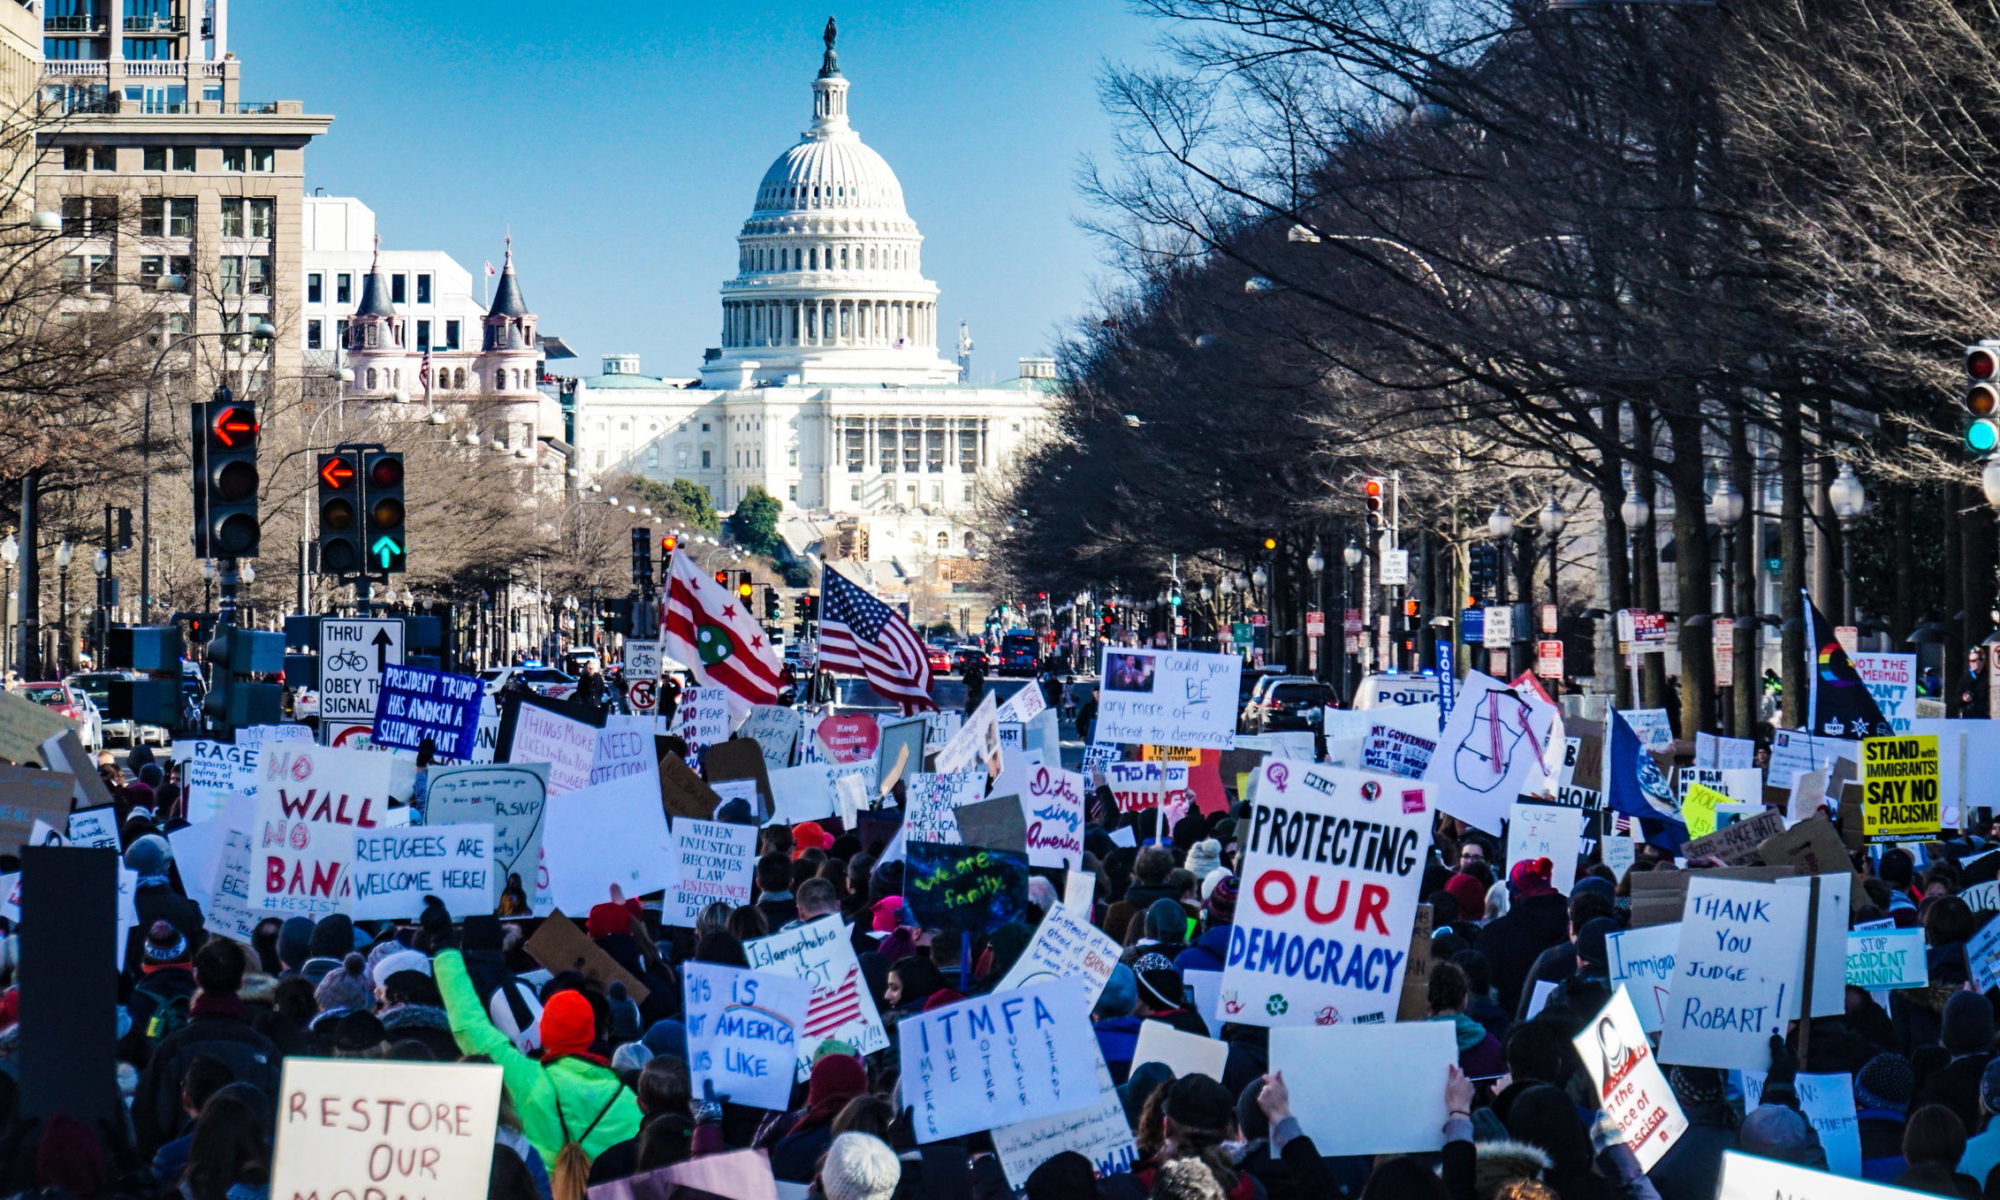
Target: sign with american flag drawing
{"type": "Point", "coordinates": [841, 1008]}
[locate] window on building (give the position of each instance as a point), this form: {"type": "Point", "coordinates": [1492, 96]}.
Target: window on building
{"type": "Point", "coordinates": [423, 335]}
{"type": "Point", "coordinates": [600, 460]}
{"type": "Point", "coordinates": [704, 460]}
{"type": "Point", "coordinates": [937, 493]}
{"type": "Point", "coordinates": [257, 270]}
{"type": "Point", "coordinates": [312, 335]}
{"type": "Point", "coordinates": [968, 541]}
{"type": "Point", "coordinates": [943, 540]}
{"type": "Point", "coordinates": [74, 219]}
{"type": "Point", "coordinates": [100, 270]}
{"type": "Point", "coordinates": [153, 158]}
{"type": "Point", "coordinates": [71, 268]}
{"type": "Point", "coordinates": [792, 456]}
{"type": "Point", "coordinates": [235, 158]}
{"type": "Point", "coordinates": [854, 492]}
{"type": "Point", "coordinates": [451, 335]}
{"type": "Point", "coordinates": [232, 216]}
{"type": "Point", "coordinates": [968, 451]}
{"type": "Point", "coordinates": [160, 217]}
{"type": "Point", "coordinates": [371, 334]}
{"type": "Point", "coordinates": [424, 288]}
{"type": "Point", "coordinates": [263, 158]}
{"type": "Point", "coordinates": [177, 324]}
{"type": "Point", "coordinates": [154, 267]}
{"type": "Point", "coordinates": [340, 331]}
{"type": "Point", "coordinates": [458, 376]}
{"type": "Point", "coordinates": [652, 458]}
{"type": "Point", "coordinates": [229, 269]}
{"type": "Point", "coordinates": [968, 493]}
{"type": "Point", "coordinates": [257, 213]}
{"type": "Point", "coordinates": [371, 374]}
{"type": "Point", "coordinates": [315, 287]}
{"type": "Point", "coordinates": [343, 288]}
{"type": "Point", "coordinates": [704, 426]}
{"type": "Point", "coordinates": [399, 287]}
{"type": "Point", "coordinates": [793, 493]}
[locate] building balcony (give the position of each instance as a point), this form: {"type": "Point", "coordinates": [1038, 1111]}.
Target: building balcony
{"type": "Point", "coordinates": [155, 23]}
{"type": "Point", "coordinates": [85, 23]}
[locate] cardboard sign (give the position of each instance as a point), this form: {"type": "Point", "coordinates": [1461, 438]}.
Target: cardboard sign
{"type": "Point", "coordinates": [416, 703]}
{"type": "Point", "coordinates": [1813, 846]}
{"type": "Point", "coordinates": [930, 803]}
{"type": "Point", "coordinates": [1402, 1108]}
{"type": "Point", "coordinates": [64, 753]}
{"type": "Point", "coordinates": [1066, 946]}
{"type": "Point", "coordinates": [1322, 934]}
{"type": "Point", "coordinates": [510, 797]}
{"type": "Point", "coordinates": [1737, 843]}
{"type": "Point", "coordinates": [776, 731]}
{"type": "Point", "coordinates": [561, 945]}
{"type": "Point", "coordinates": [369, 1126]}
{"type": "Point", "coordinates": [841, 1007]}
{"type": "Point", "coordinates": [1101, 1133]}
{"type": "Point", "coordinates": [1499, 742]}
{"type": "Point", "coordinates": [743, 1032]}
{"type": "Point", "coordinates": [535, 730]}
{"type": "Point", "coordinates": [1413, 1003]}
{"type": "Point", "coordinates": [996, 824]}
{"type": "Point", "coordinates": [684, 793]}
{"type": "Point", "coordinates": [1034, 1050]}
{"type": "Point", "coordinates": [1827, 1102]}
{"type": "Point", "coordinates": [24, 726]}
{"type": "Point", "coordinates": [1550, 831]}
{"type": "Point", "coordinates": [1735, 973]}
{"type": "Point", "coordinates": [716, 861]}
{"type": "Point", "coordinates": [1659, 896]}
{"type": "Point", "coordinates": [1185, 1053]}
{"type": "Point", "coordinates": [1053, 804]}
{"type": "Point", "coordinates": [739, 758]}
{"type": "Point", "coordinates": [394, 869]}
{"type": "Point", "coordinates": [1900, 789]}
{"type": "Point", "coordinates": [965, 889]}
{"type": "Point", "coordinates": [902, 749]}
{"type": "Point", "coordinates": [212, 772]}
{"type": "Point", "coordinates": [1887, 960]}
{"type": "Point", "coordinates": [1168, 697]}
{"type": "Point", "coordinates": [597, 836]}
{"type": "Point", "coordinates": [1642, 965]}
{"type": "Point", "coordinates": [28, 795]}
{"type": "Point", "coordinates": [1630, 1085]}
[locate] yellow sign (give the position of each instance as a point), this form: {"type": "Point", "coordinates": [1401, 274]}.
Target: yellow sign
{"type": "Point", "coordinates": [1899, 789]}
{"type": "Point", "coordinates": [1179, 754]}
{"type": "Point", "coordinates": [1698, 809]}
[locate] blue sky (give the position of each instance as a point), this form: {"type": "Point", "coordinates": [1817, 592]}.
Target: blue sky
{"type": "Point", "coordinates": [624, 152]}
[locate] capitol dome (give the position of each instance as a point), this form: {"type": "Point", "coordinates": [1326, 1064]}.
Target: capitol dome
{"type": "Point", "coordinates": [829, 285]}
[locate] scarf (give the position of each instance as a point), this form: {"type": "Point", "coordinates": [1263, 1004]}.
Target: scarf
{"type": "Point", "coordinates": [218, 1004]}
{"type": "Point", "coordinates": [1468, 1031]}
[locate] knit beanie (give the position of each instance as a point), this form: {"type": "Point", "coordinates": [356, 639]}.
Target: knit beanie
{"type": "Point", "coordinates": [1695, 1086]}
{"type": "Point", "coordinates": [1120, 994]}
{"type": "Point", "coordinates": [1886, 1082]}
{"type": "Point", "coordinates": [1198, 1102]}
{"type": "Point", "coordinates": [295, 941]}
{"type": "Point", "coordinates": [1470, 896]}
{"type": "Point", "coordinates": [668, 1037]}
{"type": "Point", "coordinates": [569, 1024]}
{"type": "Point", "coordinates": [1590, 940]}
{"type": "Point", "coordinates": [149, 855]}
{"type": "Point", "coordinates": [333, 937]}
{"type": "Point", "coordinates": [860, 1166]}
{"type": "Point", "coordinates": [608, 920]}
{"type": "Point", "coordinates": [1066, 1176]}
{"type": "Point", "coordinates": [1205, 857]}
{"type": "Point", "coordinates": [1967, 1026]}
{"type": "Point", "coordinates": [396, 961]}
{"type": "Point", "coordinates": [810, 835]}
{"type": "Point", "coordinates": [1531, 876]}
{"type": "Point", "coordinates": [1250, 1117]}
{"type": "Point", "coordinates": [165, 945]}
{"type": "Point", "coordinates": [1222, 900]}
{"type": "Point", "coordinates": [624, 1012]}
{"type": "Point", "coordinates": [345, 990]}
{"type": "Point", "coordinates": [1775, 1131]}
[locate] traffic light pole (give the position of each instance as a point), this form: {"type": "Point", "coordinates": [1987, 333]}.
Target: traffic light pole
{"type": "Point", "coordinates": [225, 615]}
{"type": "Point", "coordinates": [27, 660]}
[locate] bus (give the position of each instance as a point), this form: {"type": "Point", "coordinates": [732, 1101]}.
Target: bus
{"type": "Point", "coordinates": [1020, 653]}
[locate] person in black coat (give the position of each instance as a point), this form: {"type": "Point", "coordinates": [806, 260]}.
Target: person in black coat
{"type": "Point", "coordinates": [1692, 1168]}
{"type": "Point", "coordinates": [1966, 1031]}
{"type": "Point", "coordinates": [1537, 917]}
{"type": "Point", "coordinates": [217, 1027]}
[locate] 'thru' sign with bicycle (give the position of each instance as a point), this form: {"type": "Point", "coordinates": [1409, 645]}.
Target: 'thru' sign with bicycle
{"type": "Point", "coordinates": [352, 656]}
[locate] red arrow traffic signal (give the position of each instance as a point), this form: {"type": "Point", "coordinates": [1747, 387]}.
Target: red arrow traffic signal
{"type": "Point", "coordinates": [233, 423]}
{"type": "Point", "coordinates": [336, 473]}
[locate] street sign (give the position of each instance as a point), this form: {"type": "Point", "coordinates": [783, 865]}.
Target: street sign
{"type": "Point", "coordinates": [643, 659]}
{"type": "Point", "coordinates": [1259, 620]}
{"type": "Point", "coordinates": [1499, 626]}
{"type": "Point", "coordinates": [1549, 658]}
{"type": "Point", "coordinates": [1315, 624]}
{"type": "Point", "coordinates": [1849, 638]}
{"type": "Point", "coordinates": [1548, 618]}
{"type": "Point", "coordinates": [1626, 625]}
{"type": "Point", "coordinates": [643, 695]}
{"type": "Point", "coordinates": [1649, 632]}
{"type": "Point", "coordinates": [352, 653]}
{"type": "Point", "coordinates": [1239, 632]}
{"type": "Point", "coordinates": [1395, 568]}
{"type": "Point", "coordinates": [1472, 626]}
{"type": "Point", "coordinates": [1350, 621]}
{"type": "Point", "coordinates": [1725, 650]}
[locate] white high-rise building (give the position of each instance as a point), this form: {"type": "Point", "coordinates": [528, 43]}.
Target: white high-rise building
{"type": "Point", "coordinates": [427, 287]}
{"type": "Point", "coordinates": [827, 390]}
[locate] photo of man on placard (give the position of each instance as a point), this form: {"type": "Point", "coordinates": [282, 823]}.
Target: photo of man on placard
{"type": "Point", "coordinates": [1128, 672]}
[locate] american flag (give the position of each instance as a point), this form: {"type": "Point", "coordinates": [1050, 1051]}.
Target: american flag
{"type": "Point", "coordinates": [424, 373]}
{"type": "Point", "coordinates": [860, 635]}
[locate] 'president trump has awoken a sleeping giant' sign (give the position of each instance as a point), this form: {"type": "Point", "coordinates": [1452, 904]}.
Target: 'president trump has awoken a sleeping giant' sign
{"type": "Point", "coordinates": [1332, 867]}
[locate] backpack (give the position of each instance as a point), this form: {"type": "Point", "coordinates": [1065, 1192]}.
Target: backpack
{"type": "Point", "coordinates": [170, 1013]}
{"type": "Point", "coordinates": [570, 1178]}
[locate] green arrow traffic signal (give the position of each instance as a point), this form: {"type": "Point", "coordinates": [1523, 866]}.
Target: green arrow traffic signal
{"type": "Point", "coordinates": [386, 549]}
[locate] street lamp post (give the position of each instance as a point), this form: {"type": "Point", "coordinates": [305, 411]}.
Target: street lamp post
{"type": "Point", "coordinates": [1351, 557]}
{"type": "Point", "coordinates": [1553, 519]}
{"type": "Point", "coordinates": [65, 658]}
{"type": "Point", "coordinates": [207, 584]}
{"type": "Point", "coordinates": [1849, 501]}
{"type": "Point", "coordinates": [10, 554]}
{"type": "Point", "coordinates": [1500, 527]}
{"type": "Point", "coordinates": [100, 565]}
{"type": "Point", "coordinates": [1316, 565]}
{"type": "Point", "coordinates": [1635, 512]}
{"type": "Point", "coordinates": [1725, 509]}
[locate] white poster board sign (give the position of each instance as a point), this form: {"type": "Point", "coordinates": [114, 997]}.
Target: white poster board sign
{"type": "Point", "coordinates": [743, 1032]}
{"type": "Point", "coordinates": [1033, 1047]}
{"type": "Point", "coordinates": [1066, 946]}
{"type": "Point", "coordinates": [1168, 698]}
{"type": "Point", "coordinates": [1642, 963]}
{"type": "Point", "coordinates": [594, 837]}
{"type": "Point", "coordinates": [1053, 807]}
{"type": "Point", "coordinates": [1630, 1085]}
{"type": "Point", "coordinates": [568, 746]}
{"type": "Point", "coordinates": [1402, 1108]}
{"type": "Point", "coordinates": [1498, 743]}
{"type": "Point", "coordinates": [212, 772]}
{"type": "Point", "coordinates": [1827, 1101]}
{"type": "Point", "coordinates": [1886, 960]}
{"type": "Point", "coordinates": [1735, 973]}
{"type": "Point", "coordinates": [842, 1008]}
{"type": "Point", "coordinates": [372, 1127]}
{"type": "Point", "coordinates": [715, 861]}
{"type": "Point", "coordinates": [394, 869]}
{"type": "Point", "coordinates": [1892, 680]}
{"type": "Point", "coordinates": [510, 797]}
{"type": "Point", "coordinates": [1185, 1053]}
{"type": "Point", "coordinates": [1101, 1133]}
{"type": "Point", "coordinates": [1551, 831]}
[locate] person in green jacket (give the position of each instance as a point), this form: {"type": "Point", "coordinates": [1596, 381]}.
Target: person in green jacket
{"type": "Point", "coordinates": [569, 1094]}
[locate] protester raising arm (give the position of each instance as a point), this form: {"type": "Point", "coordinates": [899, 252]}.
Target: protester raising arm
{"type": "Point", "coordinates": [1460, 1157]}
{"type": "Point", "coordinates": [1302, 1159]}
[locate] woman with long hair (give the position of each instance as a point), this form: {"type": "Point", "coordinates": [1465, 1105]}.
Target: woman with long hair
{"type": "Point", "coordinates": [229, 1157]}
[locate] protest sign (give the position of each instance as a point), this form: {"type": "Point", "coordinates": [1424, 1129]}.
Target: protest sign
{"type": "Point", "coordinates": [965, 889]}
{"type": "Point", "coordinates": [1552, 831]}
{"type": "Point", "coordinates": [1738, 842]}
{"type": "Point", "coordinates": [24, 726]}
{"type": "Point", "coordinates": [1749, 1177]}
{"type": "Point", "coordinates": [1892, 680]}
{"type": "Point", "coordinates": [1795, 752]}
{"type": "Point", "coordinates": [1698, 807]}
{"type": "Point", "coordinates": [1080, 891]}
{"type": "Point", "coordinates": [1398, 740]}
{"type": "Point", "coordinates": [416, 703]}
{"type": "Point", "coordinates": [929, 800]}
{"type": "Point", "coordinates": [301, 863]}
{"type": "Point", "coordinates": [848, 737]}
{"type": "Point", "coordinates": [801, 793]}
{"type": "Point", "coordinates": [1887, 960]}
{"type": "Point", "coordinates": [535, 729]}
{"type": "Point", "coordinates": [1900, 799]}
{"type": "Point", "coordinates": [212, 772]}
{"type": "Point", "coordinates": [28, 795]}
{"type": "Point", "coordinates": [560, 945]}
{"type": "Point", "coordinates": [1813, 846]}
{"type": "Point", "coordinates": [1982, 955]}
{"type": "Point", "coordinates": [373, 1127]}
{"type": "Point", "coordinates": [336, 787]}
{"type": "Point", "coordinates": [1497, 743]}
{"type": "Point", "coordinates": [1065, 946]}
{"type": "Point", "coordinates": [939, 726]}
{"type": "Point", "coordinates": [1168, 697]}
{"type": "Point", "coordinates": [1332, 867]}
{"type": "Point", "coordinates": [1724, 753]}
{"type": "Point", "coordinates": [1735, 973]}
{"type": "Point", "coordinates": [1035, 1052]}
{"type": "Point", "coordinates": [394, 869]}
{"type": "Point", "coordinates": [512, 798]}
{"type": "Point", "coordinates": [1013, 737]}
{"type": "Point", "coordinates": [902, 749]}
{"type": "Point", "coordinates": [743, 1032]}
{"type": "Point", "coordinates": [1641, 962]}
{"type": "Point", "coordinates": [1401, 1110]}
{"type": "Point", "coordinates": [594, 837]}
{"type": "Point", "coordinates": [1053, 804]}
{"type": "Point", "coordinates": [1185, 1053]}
{"type": "Point", "coordinates": [94, 828]}
{"type": "Point", "coordinates": [776, 730]}
{"type": "Point", "coordinates": [682, 792]}
{"type": "Point", "coordinates": [259, 735]}
{"type": "Point", "coordinates": [997, 824]}
{"type": "Point", "coordinates": [977, 741]}
{"type": "Point", "coordinates": [1827, 1103]}
{"type": "Point", "coordinates": [1101, 1133]}
{"type": "Point", "coordinates": [1630, 1085]}
{"type": "Point", "coordinates": [625, 751]}
{"type": "Point", "coordinates": [1135, 786]}
{"type": "Point", "coordinates": [841, 1007]}
{"type": "Point", "coordinates": [64, 753]}
{"type": "Point", "coordinates": [1828, 986]}
{"type": "Point", "coordinates": [1654, 727]}
{"type": "Point", "coordinates": [1025, 704]}
{"type": "Point", "coordinates": [715, 862]}
{"type": "Point", "coordinates": [739, 759]}
{"type": "Point", "coordinates": [1619, 853]}
{"type": "Point", "coordinates": [703, 718]}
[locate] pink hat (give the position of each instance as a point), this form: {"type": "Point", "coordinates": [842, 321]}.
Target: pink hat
{"type": "Point", "coordinates": [887, 911]}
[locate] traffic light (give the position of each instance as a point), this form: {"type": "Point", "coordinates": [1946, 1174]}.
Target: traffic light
{"type": "Point", "coordinates": [1270, 544]}
{"type": "Point", "coordinates": [1485, 572]}
{"type": "Point", "coordinates": [1371, 492]}
{"type": "Point", "coordinates": [233, 700]}
{"type": "Point", "coordinates": [743, 588]}
{"type": "Point", "coordinates": [642, 557]}
{"type": "Point", "coordinates": [225, 483]}
{"type": "Point", "coordinates": [340, 513]}
{"type": "Point", "coordinates": [774, 605]}
{"type": "Point", "coordinates": [1982, 399]}
{"type": "Point", "coordinates": [722, 580]}
{"type": "Point", "coordinates": [617, 616]}
{"type": "Point", "coordinates": [668, 544]}
{"type": "Point", "coordinates": [812, 606]}
{"type": "Point", "coordinates": [1174, 594]}
{"type": "Point", "coordinates": [382, 493]}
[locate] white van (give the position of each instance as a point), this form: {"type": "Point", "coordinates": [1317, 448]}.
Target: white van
{"type": "Point", "coordinates": [1395, 689]}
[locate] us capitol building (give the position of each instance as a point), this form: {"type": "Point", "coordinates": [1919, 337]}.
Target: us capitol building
{"type": "Point", "coordinates": [828, 389]}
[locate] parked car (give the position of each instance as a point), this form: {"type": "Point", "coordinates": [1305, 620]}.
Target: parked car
{"type": "Point", "coordinates": [964, 656]}
{"type": "Point", "coordinates": [1395, 688]}
{"type": "Point", "coordinates": [545, 681]}
{"type": "Point", "coordinates": [940, 661]}
{"type": "Point", "coordinates": [1250, 717]}
{"type": "Point", "coordinates": [97, 685]}
{"type": "Point", "coordinates": [1292, 703]}
{"type": "Point", "coordinates": [74, 703]}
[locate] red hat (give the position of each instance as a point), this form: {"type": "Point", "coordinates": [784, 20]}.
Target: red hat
{"type": "Point", "coordinates": [942, 997]}
{"type": "Point", "coordinates": [1470, 896]}
{"type": "Point", "coordinates": [807, 835]}
{"type": "Point", "coordinates": [836, 1077]}
{"type": "Point", "coordinates": [608, 920]}
{"type": "Point", "coordinates": [1531, 877]}
{"type": "Point", "coordinates": [888, 914]}
{"type": "Point", "coordinates": [569, 1024]}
